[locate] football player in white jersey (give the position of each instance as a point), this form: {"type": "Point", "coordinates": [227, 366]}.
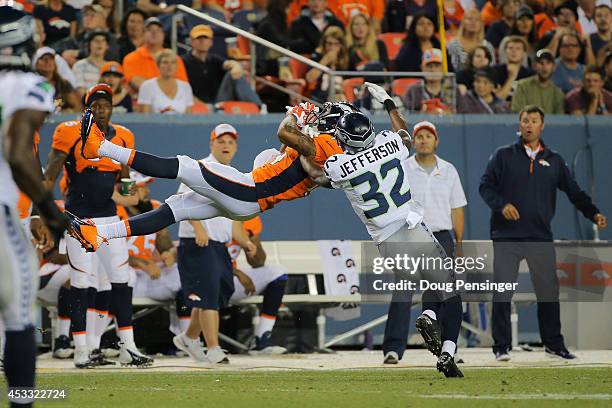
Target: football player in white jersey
{"type": "Point", "coordinates": [372, 173]}
{"type": "Point", "coordinates": [25, 101]}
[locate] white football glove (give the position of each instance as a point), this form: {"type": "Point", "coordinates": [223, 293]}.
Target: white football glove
{"type": "Point", "coordinates": [304, 113]}
{"type": "Point", "coordinates": [377, 92]}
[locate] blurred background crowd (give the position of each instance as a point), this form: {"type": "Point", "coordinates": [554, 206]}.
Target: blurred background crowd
{"type": "Point", "coordinates": [478, 56]}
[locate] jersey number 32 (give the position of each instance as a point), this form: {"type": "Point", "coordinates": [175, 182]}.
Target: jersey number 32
{"type": "Point", "coordinates": [380, 197]}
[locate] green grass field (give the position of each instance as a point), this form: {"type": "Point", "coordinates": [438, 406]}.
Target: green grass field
{"type": "Point", "coordinates": [556, 387]}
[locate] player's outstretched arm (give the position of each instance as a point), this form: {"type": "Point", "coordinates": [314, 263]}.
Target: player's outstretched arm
{"type": "Point", "coordinates": [289, 134]}
{"type": "Point", "coordinates": [315, 172]}
{"type": "Point", "coordinates": [397, 119]}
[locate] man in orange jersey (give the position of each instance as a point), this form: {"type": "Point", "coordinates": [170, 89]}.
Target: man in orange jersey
{"type": "Point", "coordinates": [91, 194]}
{"type": "Point", "coordinates": [218, 190]}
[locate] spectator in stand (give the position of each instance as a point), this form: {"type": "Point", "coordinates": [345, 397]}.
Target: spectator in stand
{"type": "Point", "coordinates": [307, 29]}
{"type": "Point", "coordinates": [591, 98]}
{"type": "Point", "coordinates": [453, 15]}
{"type": "Point", "coordinates": [94, 19]}
{"type": "Point", "coordinates": [111, 73]}
{"type": "Point", "coordinates": [491, 12]}
{"type": "Point", "coordinates": [109, 11]}
{"type": "Point", "coordinates": [539, 89]}
{"type": "Point", "coordinates": [569, 72]}
{"type": "Point", "coordinates": [586, 16]}
{"type": "Point", "coordinates": [567, 17]}
{"type": "Point", "coordinates": [524, 26]}
{"type": "Point", "coordinates": [165, 94]}
{"type": "Point", "coordinates": [87, 70]}
{"type": "Point", "coordinates": [364, 48]}
{"type": "Point", "coordinates": [603, 21]}
{"type": "Point", "coordinates": [428, 95]}
{"type": "Point", "coordinates": [479, 57]}
{"type": "Point", "coordinates": [470, 35]}
{"type": "Point", "coordinates": [608, 70]}
{"type": "Point", "coordinates": [66, 98]}
{"type": "Point", "coordinates": [421, 36]}
{"type": "Point", "coordinates": [140, 65]}
{"type": "Point", "coordinates": [59, 20]}
{"type": "Point", "coordinates": [132, 32]}
{"type": "Point", "coordinates": [500, 28]}
{"type": "Point", "coordinates": [333, 53]}
{"type": "Point", "coordinates": [63, 69]}
{"type": "Point", "coordinates": [401, 14]}
{"type": "Point", "coordinates": [514, 70]}
{"type": "Point", "coordinates": [482, 99]}
{"type": "Point", "coordinates": [345, 10]}
{"type": "Point", "coordinates": [212, 78]}
{"type": "Point", "coordinates": [273, 28]}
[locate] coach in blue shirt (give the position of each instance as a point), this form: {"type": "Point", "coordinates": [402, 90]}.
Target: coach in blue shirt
{"type": "Point", "coordinates": [520, 186]}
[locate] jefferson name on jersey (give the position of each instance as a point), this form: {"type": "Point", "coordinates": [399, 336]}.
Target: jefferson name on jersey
{"type": "Point", "coordinates": [369, 156]}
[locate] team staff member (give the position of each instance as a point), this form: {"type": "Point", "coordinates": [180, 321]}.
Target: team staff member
{"type": "Point", "coordinates": [90, 192]}
{"type": "Point", "coordinates": [205, 267]}
{"type": "Point", "coordinates": [436, 185]}
{"type": "Point", "coordinates": [520, 186]}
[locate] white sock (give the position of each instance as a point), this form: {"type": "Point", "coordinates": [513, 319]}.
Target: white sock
{"type": "Point", "coordinates": [266, 324]}
{"type": "Point", "coordinates": [188, 339]}
{"type": "Point", "coordinates": [102, 320]}
{"type": "Point", "coordinates": [115, 152]}
{"type": "Point", "coordinates": [430, 313]}
{"type": "Point", "coordinates": [126, 335]}
{"type": "Point", "coordinates": [184, 323]}
{"type": "Point", "coordinates": [63, 327]}
{"type": "Point", "coordinates": [449, 347]}
{"type": "Point", "coordinates": [92, 316]}
{"type": "Point", "coordinates": [80, 340]}
{"type": "Point", "coordinates": [113, 230]}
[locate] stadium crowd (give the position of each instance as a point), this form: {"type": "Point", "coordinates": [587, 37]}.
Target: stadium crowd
{"type": "Point", "coordinates": [504, 54]}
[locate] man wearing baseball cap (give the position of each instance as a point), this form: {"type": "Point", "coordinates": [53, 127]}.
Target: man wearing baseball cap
{"type": "Point", "coordinates": [140, 65]}
{"type": "Point", "coordinates": [205, 268]}
{"type": "Point", "coordinates": [539, 89]}
{"type": "Point", "coordinates": [420, 96]}
{"type": "Point", "coordinates": [212, 77]}
{"type": "Point", "coordinates": [435, 184]}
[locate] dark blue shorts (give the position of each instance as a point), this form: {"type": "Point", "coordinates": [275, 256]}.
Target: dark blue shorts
{"type": "Point", "coordinates": [207, 277]}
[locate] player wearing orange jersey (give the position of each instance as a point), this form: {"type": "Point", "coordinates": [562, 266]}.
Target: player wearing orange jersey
{"type": "Point", "coordinates": [218, 189]}
{"type": "Point", "coordinates": [92, 193]}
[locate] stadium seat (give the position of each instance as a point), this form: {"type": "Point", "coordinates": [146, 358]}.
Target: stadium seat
{"type": "Point", "coordinates": [349, 85]}
{"type": "Point", "coordinates": [200, 108]}
{"type": "Point", "coordinates": [393, 41]}
{"type": "Point", "coordinates": [298, 69]}
{"type": "Point", "coordinates": [238, 108]}
{"type": "Point", "coordinates": [401, 85]}
{"type": "Point", "coordinates": [244, 45]}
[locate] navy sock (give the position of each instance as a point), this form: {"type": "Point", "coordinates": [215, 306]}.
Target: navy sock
{"type": "Point", "coordinates": [121, 304]}
{"type": "Point", "coordinates": [78, 310]}
{"type": "Point", "coordinates": [103, 300]}
{"type": "Point", "coordinates": [182, 310]}
{"type": "Point", "coordinates": [152, 221]}
{"type": "Point", "coordinates": [63, 302]}
{"type": "Point", "coordinates": [273, 296]}
{"type": "Point", "coordinates": [151, 165]}
{"type": "Point", "coordinates": [451, 319]}
{"type": "Point", "coordinates": [20, 358]}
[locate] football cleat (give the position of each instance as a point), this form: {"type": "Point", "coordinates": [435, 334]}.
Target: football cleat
{"type": "Point", "coordinates": [84, 231]}
{"type": "Point", "coordinates": [130, 356]}
{"type": "Point", "coordinates": [263, 345]}
{"type": "Point", "coordinates": [99, 358]}
{"type": "Point", "coordinates": [82, 358]}
{"type": "Point", "coordinates": [430, 331]}
{"type": "Point", "coordinates": [61, 348]}
{"type": "Point", "coordinates": [502, 356]}
{"type": "Point", "coordinates": [446, 365]}
{"type": "Point", "coordinates": [91, 136]}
